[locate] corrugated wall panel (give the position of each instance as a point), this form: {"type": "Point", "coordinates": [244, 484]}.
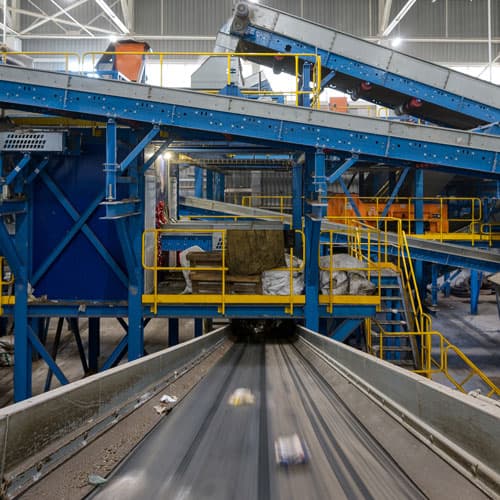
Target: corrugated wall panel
{"type": "Point", "coordinates": [426, 19]}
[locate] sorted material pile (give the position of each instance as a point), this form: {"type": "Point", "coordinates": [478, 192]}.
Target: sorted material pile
{"type": "Point", "coordinates": [277, 282]}
{"type": "Point", "coordinates": [347, 276]}
{"type": "Point", "coordinates": [253, 252]}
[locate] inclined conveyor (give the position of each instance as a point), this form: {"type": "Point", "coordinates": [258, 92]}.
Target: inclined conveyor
{"type": "Point", "coordinates": [363, 69]}
{"type": "Point", "coordinates": [373, 430]}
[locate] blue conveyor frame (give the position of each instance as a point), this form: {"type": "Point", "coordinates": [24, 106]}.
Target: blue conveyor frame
{"type": "Point", "coordinates": [255, 122]}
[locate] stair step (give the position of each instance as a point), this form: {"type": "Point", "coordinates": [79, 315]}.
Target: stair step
{"type": "Point", "coordinates": [393, 348]}
{"type": "Point", "coordinates": [390, 286]}
{"type": "Point", "coordinates": [390, 297]}
{"type": "Point", "coordinates": [392, 311]}
{"type": "Point", "coordinates": [392, 322]}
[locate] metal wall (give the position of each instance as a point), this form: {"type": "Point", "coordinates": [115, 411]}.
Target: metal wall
{"type": "Point", "coordinates": [194, 18]}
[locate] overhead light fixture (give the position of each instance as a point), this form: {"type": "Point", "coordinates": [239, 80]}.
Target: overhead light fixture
{"type": "Point", "coordinates": [396, 42]}
{"type": "Point", "coordinates": [167, 155]}
{"type": "Point", "coordinates": [113, 38]}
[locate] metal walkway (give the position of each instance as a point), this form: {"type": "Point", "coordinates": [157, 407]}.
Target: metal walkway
{"type": "Point", "coordinates": [372, 139]}
{"type": "Point", "coordinates": [372, 72]}
{"type": "Point", "coordinates": [426, 250]}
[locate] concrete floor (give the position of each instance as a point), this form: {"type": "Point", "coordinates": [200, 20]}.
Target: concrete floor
{"type": "Point", "coordinates": [155, 339]}
{"type": "Point", "coordinates": [477, 336]}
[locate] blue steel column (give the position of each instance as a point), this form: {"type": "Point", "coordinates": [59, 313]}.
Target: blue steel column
{"type": "Point", "coordinates": [419, 226]}
{"type": "Point", "coordinates": [434, 286]}
{"type": "Point", "coordinates": [476, 279]}
{"type": "Point", "coordinates": [219, 186]}
{"type": "Point", "coordinates": [94, 344]}
{"type": "Point", "coordinates": [210, 185]}
{"type": "Point", "coordinates": [173, 331]}
{"type": "Point", "coordinates": [136, 287]}
{"type": "Point", "coordinates": [22, 346]}
{"type": "Point", "coordinates": [198, 327]}
{"type": "Point", "coordinates": [297, 204]}
{"type": "Point", "coordinates": [110, 166]}
{"type": "Point", "coordinates": [311, 309]}
{"type": "Point", "coordinates": [198, 182]}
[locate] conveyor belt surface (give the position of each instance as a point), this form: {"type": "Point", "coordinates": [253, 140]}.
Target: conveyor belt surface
{"type": "Point", "coordinates": [208, 449]}
{"type": "Point", "coordinates": [447, 97]}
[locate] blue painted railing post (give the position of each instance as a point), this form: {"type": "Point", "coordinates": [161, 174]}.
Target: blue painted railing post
{"type": "Point", "coordinates": [305, 99]}
{"type": "Point", "coordinates": [110, 166]}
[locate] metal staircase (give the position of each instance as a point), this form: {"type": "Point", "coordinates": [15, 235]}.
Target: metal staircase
{"type": "Point", "coordinates": [393, 317]}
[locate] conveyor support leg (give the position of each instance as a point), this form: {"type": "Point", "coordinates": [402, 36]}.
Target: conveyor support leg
{"type": "Point", "coordinates": [173, 331]}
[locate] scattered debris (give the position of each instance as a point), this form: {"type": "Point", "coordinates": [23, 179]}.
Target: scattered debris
{"type": "Point", "coordinates": [96, 480]}
{"type": "Point", "coordinates": [161, 409]}
{"type": "Point", "coordinates": [241, 396]}
{"type": "Point", "coordinates": [168, 399]}
{"type": "Point", "coordinates": [291, 450]}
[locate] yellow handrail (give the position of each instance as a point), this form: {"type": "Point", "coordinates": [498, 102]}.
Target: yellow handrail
{"type": "Point", "coordinates": [223, 298]}
{"type": "Point", "coordinates": [315, 58]}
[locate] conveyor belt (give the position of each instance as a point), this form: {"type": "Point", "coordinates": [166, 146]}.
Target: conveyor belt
{"type": "Point", "coordinates": [208, 449]}
{"type": "Point", "coordinates": [429, 251]}
{"type": "Point", "coordinates": [446, 97]}
{"type": "Point", "coordinates": [250, 120]}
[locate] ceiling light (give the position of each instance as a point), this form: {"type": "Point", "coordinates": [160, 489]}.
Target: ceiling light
{"type": "Point", "coordinates": [396, 42]}
{"type": "Point", "coordinates": [168, 155]}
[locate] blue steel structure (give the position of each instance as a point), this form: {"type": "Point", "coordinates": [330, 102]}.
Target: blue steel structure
{"type": "Point", "coordinates": [89, 263]}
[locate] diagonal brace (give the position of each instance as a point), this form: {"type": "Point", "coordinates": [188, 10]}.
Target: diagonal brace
{"type": "Point", "coordinates": [139, 148]}
{"type": "Point", "coordinates": [35, 342]}
{"type": "Point", "coordinates": [101, 249]}
{"type": "Point", "coordinates": [17, 169]}
{"type": "Point", "coordinates": [37, 170]}
{"type": "Point", "coordinates": [349, 196]}
{"type": "Point", "coordinates": [342, 169]}
{"type": "Point", "coordinates": [395, 191]}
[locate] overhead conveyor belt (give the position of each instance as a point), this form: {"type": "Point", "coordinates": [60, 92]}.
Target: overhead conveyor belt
{"type": "Point", "coordinates": [57, 93]}
{"type": "Point", "coordinates": [366, 425]}
{"type": "Point", "coordinates": [364, 69]}
{"type": "Point", "coordinates": [430, 251]}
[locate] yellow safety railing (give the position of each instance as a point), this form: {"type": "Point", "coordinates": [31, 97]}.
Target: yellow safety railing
{"type": "Point", "coordinates": [277, 202]}
{"type": "Point", "coordinates": [434, 356]}
{"type": "Point", "coordinates": [366, 243]}
{"type": "Point", "coordinates": [435, 220]}
{"type": "Point", "coordinates": [162, 60]}
{"type": "Point", "coordinates": [70, 58]}
{"type": "Point", "coordinates": [150, 240]}
{"type": "Point", "coordinates": [234, 218]}
{"type": "Point", "coordinates": [3, 282]}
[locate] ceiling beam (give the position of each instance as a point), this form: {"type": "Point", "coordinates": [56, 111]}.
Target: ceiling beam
{"type": "Point", "coordinates": [128, 13]}
{"type": "Point", "coordinates": [67, 14]}
{"type": "Point", "coordinates": [398, 17]}
{"type": "Point", "coordinates": [386, 14]}
{"type": "Point", "coordinates": [116, 20]}
{"type": "Point", "coordinates": [46, 19]}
